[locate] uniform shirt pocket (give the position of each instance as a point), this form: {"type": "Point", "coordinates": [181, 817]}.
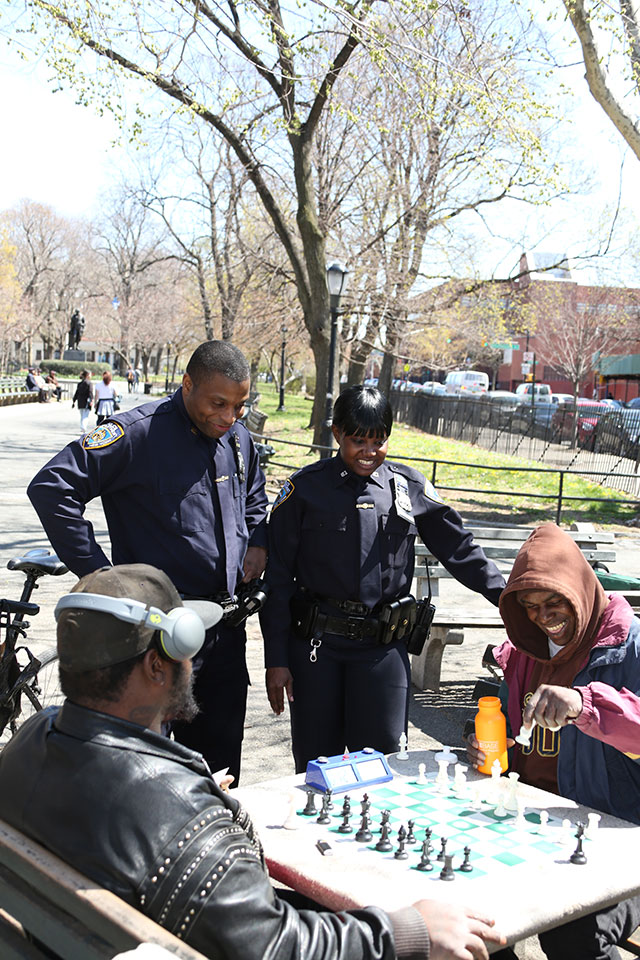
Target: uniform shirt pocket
{"type": "Point", "coordinates": [324, 523]}
{"type": "Point", "coordinates": [184, 508]}
{"type": "Point", "coordinates": [397, 539]}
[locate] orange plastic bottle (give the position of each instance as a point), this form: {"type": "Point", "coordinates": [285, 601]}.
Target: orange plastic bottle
{"type": "Point", "coordinates": [491, 733]}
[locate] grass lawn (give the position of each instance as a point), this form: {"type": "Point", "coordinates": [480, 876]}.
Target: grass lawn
{"type": "Point", "coordinates": [494, 502]}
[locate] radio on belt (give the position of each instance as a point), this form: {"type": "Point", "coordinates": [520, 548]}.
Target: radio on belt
{"type": "Point", "coordinates": [347, 771]}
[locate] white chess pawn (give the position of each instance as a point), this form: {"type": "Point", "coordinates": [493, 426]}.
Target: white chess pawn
{"type": "Point", "coordinates": [567, 833]}
{"type": "Point", "coordinates": [521, 822]}
{"type": "Point", "coordinates": [421, 780]}
{"type": "Point", "coordinates": [544, 822]}
{"type": "Point", "coordinates": [460, 781]}
{"type": "Point", "coordinates": [476, 800]}
{"type": "Point", "coordinates": [403, 753]}
{"type": "Point", "coordinates": [593, 819]}
{"type": "Point", "coordinates": [291, 823]}
{"type": "Point", "coordinates": [500, 808]}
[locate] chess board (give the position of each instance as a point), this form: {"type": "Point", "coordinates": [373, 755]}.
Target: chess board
{"type": "Point", "coordinates": [495, 842]}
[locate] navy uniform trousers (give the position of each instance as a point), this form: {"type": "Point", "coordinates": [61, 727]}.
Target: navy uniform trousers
{"type": "Point", "coordinates": [221, 683]}
{"type": "Point", "coordinates": [355, 695]}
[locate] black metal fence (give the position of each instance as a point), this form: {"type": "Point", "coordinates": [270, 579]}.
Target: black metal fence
{"type": "Point", "coordinates": [602, 444]}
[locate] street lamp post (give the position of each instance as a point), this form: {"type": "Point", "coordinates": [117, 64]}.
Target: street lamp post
{"type": "Point", "coordinates": [283, 330]}
{"type": "Point", "coordinates": [336, 282]}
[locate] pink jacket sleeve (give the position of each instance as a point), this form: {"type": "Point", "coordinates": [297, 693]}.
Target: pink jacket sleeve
{"type": "Point", "coordinates": [612, 716]}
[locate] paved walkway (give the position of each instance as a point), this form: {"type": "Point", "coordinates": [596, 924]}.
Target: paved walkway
{"type": "Point", "coordinates": [32, 433]}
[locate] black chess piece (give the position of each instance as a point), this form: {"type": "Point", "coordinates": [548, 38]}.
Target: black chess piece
{"type": "Point", "coordinates": [425, 864]}
{"type": "Point", "coordinates": [364, 833]}
{"type": "Point", "coordinates": [447, 871]}
{"type": "Point", "coordinates": [466, 866]}
{"type": "Point", "coordinates": [310, 809]}
{"type": "Point", "coordinates": [329, 795]}
{"type": "Point", "coordinates": [410, 834]}
{"type": "Point", "coordinates": [346, 806]}
{"type": "Point", "coordinates": [384, 844]}
{"type": "Point", "coordinates": [578, 855]}
{"type": "Point", "coordinates": [384, 819]}
{"type": "Point", "coordinates": [401, 853]}
{"type": "Point", "coordinates": [345, 826]}
{"type": "Point", "coordinates": [365, 804]}
{"type": "Point", "coordinates": [323, 816]}
{"type": "Point", "coordinates": [443, 849]}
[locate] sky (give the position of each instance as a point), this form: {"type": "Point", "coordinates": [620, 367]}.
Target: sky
{"type": "Point", "coordinates": [61, 154]}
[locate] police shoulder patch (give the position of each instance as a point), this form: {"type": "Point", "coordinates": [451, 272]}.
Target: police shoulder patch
{"type": "Point", "coordinates": [286, 491]}
{"type": "Point", "coordinates": [431, 493]}
{"type": "Point", "coordinates": [103, 436]}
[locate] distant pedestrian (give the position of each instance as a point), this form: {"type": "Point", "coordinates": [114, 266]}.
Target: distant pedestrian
{"type": "Point", "coordinates": [84, 397]}
{"type": "Point", "coordinates": [131, 379]}
{"type": "Point", "coordinates": [105, 394]}
{"type": "Point", "coordinates": [138, 376]}
{"type": "Point", "coordinates": [54, 386]}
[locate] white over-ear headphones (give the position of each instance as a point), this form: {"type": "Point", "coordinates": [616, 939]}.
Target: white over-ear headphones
{"type": "Point", "coordinates": [181, 629]}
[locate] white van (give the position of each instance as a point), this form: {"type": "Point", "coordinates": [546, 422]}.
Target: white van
{"type": "Point", "coordinates": [466, 382]}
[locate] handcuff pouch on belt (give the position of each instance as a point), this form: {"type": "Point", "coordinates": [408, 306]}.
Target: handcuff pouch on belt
{"type": "Point", "coordinates": [425, 612]}
{"type": "Point", "coordinates": [394, 621]}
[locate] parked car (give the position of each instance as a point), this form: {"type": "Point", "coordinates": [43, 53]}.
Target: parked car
{"type": "Point", "coordinates": [610, 402]}
{"type": "Point", "coordinates": [542, 392]}
{"type": "Point", "coordinates": [432, 387]}
{"type": "Point", "coordinates": [633, 404]}
{"type": "Point", "coordinates": [498, 407]}
{"type": "Point", "coordinates": [587, 413]}
{"type": "Point", "coordinates": [618, 432]}
{"type": "Point", "coordinates": [561, 397]}
{"type": "Point", "coordinates": [534, 419]}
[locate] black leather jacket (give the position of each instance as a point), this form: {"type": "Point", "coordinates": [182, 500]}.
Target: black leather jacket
{"type": "Point", "coordinates": [141, 815]}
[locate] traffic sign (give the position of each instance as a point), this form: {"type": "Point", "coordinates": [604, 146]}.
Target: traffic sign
{"type": "Point", "coordinates": [504, 346]}
{"type": "Point", "coordinates": [528, 356]}
{"type": "Point", "coordinates": [526, 368]}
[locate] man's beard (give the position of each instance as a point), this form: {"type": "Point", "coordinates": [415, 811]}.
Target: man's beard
{"type": "Point", "coordinates": [182, 704]}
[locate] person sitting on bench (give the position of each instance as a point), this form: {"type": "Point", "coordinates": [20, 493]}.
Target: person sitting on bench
{"type": "Point", "coordinates": [99, 785]}
{"type": "Point", "coordinates": [572, 678]}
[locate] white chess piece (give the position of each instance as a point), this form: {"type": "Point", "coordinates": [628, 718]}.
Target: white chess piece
{"type": "Point", "coordinates": [524, 737]}
{"type": "Point", "coordinates": [496, 772]}
{"type": "Point", "coordinates": [511, 803]}
{"type": "Point", "coordinates": [443, 758]}
{"type": "Point", "coordinates": [544, 822]}
{"type": "Point", "coordinates": [521, 823]}
{"type": "Point", "coordinates": [476, 800]}
{"type": "Point", "coordinates": [421, 780]}
{"type": "Point", "coordinates": [593, 819]}
{"type": "Point", "coordinates": [500, 808]}
{"type": "Point", "coordinates": [567, 833]}
{"type": "Point", "coordinates": [403, 753]}
{"type": "Point", "coordinates": [460, 781]}
{"type": "Point", "coordinates": [291, 823]}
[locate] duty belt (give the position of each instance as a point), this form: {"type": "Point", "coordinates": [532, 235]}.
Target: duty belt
{"type": "Point", "coordinates": [356, 628]}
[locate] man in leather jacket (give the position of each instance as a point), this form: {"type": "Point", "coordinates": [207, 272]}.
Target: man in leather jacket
{"type": "Point", "coordinates": [98, 784]}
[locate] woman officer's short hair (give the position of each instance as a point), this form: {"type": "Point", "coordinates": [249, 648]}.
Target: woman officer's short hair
{"type": "Point", "coordinates": [363, 412]}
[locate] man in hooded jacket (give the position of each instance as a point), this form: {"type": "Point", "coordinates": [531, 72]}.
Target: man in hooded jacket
{"type": "Point", "coordinates": [572, 665]}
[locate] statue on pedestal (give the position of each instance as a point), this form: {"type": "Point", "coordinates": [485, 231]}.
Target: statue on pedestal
{"type": "Point", "coordinates": [76, 329]}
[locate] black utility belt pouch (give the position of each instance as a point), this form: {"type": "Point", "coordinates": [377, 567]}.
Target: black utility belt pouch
{"type": "Point", "coordinates": [425, 612]}
{"type": "Point", "coordinates": [304, 616]}
{"type": "Point", "coordinates": [396, 620]}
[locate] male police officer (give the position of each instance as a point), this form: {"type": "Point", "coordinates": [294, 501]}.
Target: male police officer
{"type": "Point", "coordinates": [182, 489]}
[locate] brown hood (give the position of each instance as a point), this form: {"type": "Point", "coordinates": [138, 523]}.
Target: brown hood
{"type": "Point", "coordinates": [551, 560]}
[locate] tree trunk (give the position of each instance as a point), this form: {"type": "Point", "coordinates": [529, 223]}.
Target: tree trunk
{"type": "Point", "coordinates": [360, 352]}
{"type": "Point", "coordinates": [386, 371]}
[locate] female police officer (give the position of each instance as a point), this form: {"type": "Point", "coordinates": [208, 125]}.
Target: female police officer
{"type": "Point", "coordinates": [341, 562]}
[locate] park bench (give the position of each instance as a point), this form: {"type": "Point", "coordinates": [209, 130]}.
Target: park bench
{"type": "Point", "coordinates": [500, 544]}
{"type": "Point", "coordinates": [14, 390]}
{"type": "Point", "coordinates": [48, 909]}
{"type": "Point", "coordinates": [255, 420]}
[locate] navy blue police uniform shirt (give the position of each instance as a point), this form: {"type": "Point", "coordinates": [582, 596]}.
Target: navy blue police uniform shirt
{"type": "Point", "coordinates": [317, 531]}
{"type": "Point", "coordinates": [172, 497]}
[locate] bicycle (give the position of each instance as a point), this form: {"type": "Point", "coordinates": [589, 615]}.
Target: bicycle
{"type": "Point", "coordinates": [28, 683]}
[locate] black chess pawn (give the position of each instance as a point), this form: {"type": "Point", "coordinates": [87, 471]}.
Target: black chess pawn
{"type": "Point", "coordinates": [401, 853]}
{"type": "Point", "coordinates": [384, 819]}
{"type": "Point", "coordinates": [323, 816]}
{"type": "Point", "coordinates": [345, 826]}
{"type": "Point", "coordinates": [425, 864]}
{"type": "Point", "coordinates": [443, 849]}
{"type": "Point", "coordinates": [384, 844]}
{"type": "Point", "coordinates": [578, 855]}
{"type": "Point", "coordinates": [364, 833]}
{"type": "Point", "coordinates": [447, 871]}
{"type": "Point", "coordinates": [466, 866]}
{"type": "Point", "coordinates": [310, 808]}
{"type": "Point", "coordinates": [346, 805]}
{"type": "Point", "coordinates": [410, 834]}
{"type": "Point", "coordinates": [329, 794]}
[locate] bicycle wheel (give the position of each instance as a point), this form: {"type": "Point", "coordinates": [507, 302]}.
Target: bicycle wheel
{"type": "Point", "coordinates": [41, 688]}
